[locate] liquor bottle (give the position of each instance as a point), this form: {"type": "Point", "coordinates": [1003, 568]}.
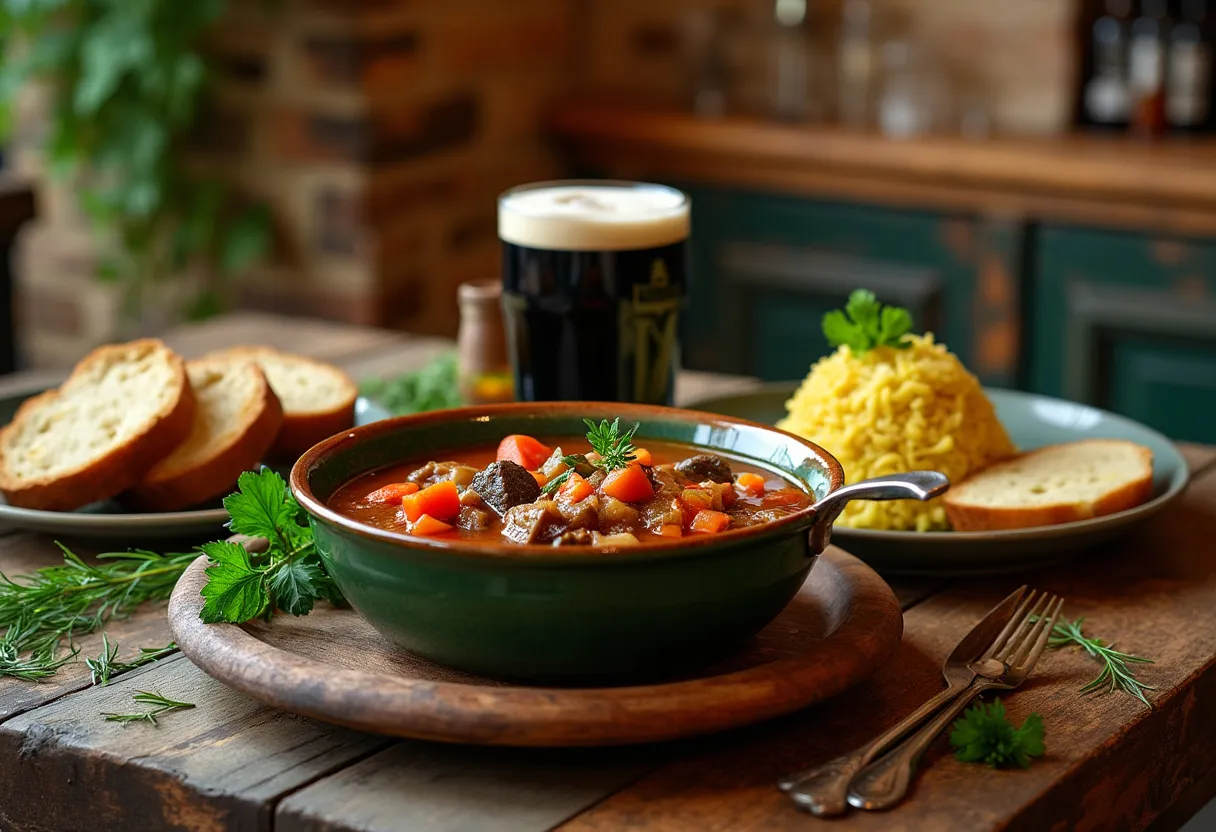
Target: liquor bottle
{"type": "Point", "coordinates": [1189, 69]}
{"type": "Point", "coordinates": [1107, 100]}
{"type": "Point", "coordinates": [1146, 67]}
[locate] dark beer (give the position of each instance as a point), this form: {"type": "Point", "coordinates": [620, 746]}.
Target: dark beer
{"type": "Point", "coordinates": [593, 282]}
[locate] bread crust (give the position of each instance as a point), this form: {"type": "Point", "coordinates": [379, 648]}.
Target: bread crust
{"type": "Point", "coordinates": [967, 517]}
{"type": "Point", "coordinates": [217, 474]}
{"type": "Point", "coordinates": [121, 467]}
{"type": "Point", "coordinates": [300, 431]}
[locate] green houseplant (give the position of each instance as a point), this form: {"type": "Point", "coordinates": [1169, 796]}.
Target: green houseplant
{"type": "Point", "coordinates": [126, 79]}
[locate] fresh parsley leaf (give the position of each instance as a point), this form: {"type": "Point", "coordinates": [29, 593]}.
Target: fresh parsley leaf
{"type": "Point", "coordinates": [293, 587]}
{"type": "Point", "coordinates": [234, 592]}
{"type": "Point", "coordinates": [433, 387]}
{"type": "Point", "coordinates": [865, 324]}
{"type": "Point", "coordinates": [616, 449]}
{"type": "Point", "coordinates": [984, 735]}
{"type": "Point", "coordinates": [260, 507]}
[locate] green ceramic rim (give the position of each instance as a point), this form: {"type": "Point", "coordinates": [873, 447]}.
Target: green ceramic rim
{"type": "Point", "coordinates": [316, 458]}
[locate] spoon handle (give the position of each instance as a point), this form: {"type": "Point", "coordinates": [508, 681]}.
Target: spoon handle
{"type": "Point", "coordinates": [823, 790]}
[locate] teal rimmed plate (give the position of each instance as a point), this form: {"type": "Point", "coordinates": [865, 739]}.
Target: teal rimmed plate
{"type": "Point", "coordinates": [1032, 421]}
{"type": "Point", "coordinates": [110, 521]}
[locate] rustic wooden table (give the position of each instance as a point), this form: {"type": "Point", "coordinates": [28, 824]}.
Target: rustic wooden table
{"type": "Point", "coordinates": [234, 764]}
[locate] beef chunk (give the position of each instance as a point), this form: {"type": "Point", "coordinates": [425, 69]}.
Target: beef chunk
{"type": "Point", "coordinates": [537, 522]}
{"type": "Point", "coordinates": [615, 516]}
{"type": "Point", "coordinates": [704, 467]}
{"type": "Point", "coordinates": [504, 485]}
{"type": "Point", "coordinates": [434, 472]}
{"type": "Point", "coordinates": [581, 515]}
{"type": "Point", "coordinates": [574, 537]}
{"type": "Point", "coordinates": [662, 510]}
{"type": "Point", "coordinates": [474, 519]}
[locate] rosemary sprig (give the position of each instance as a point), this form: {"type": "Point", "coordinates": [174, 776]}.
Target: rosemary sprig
{"type": "Point", "coordinates": [160, 705]}
{"type": "Point", "coordinates": [42, 612]}
{"type": "Point", "coordinates": [105, 664]}
{"type": "Point", "coordinates": [1115, 674]}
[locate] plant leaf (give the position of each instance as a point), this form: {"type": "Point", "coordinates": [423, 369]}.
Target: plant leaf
{"type": "Point", "coordinates": [259, 506]}
{"type": "Point", "coordinates": [293, 587]}
{"type": "Point", "coordinates": [247, 241]}
{"type": "Point", "coordinates": [234, 591]}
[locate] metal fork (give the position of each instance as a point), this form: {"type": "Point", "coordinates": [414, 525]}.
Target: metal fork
{"type": "Point", "coordinates": [824, 790]}
{"type": "Point", "coordinates": [1006, 665]}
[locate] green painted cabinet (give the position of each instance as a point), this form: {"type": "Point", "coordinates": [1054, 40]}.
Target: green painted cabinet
{"type": "Point", "coordinates": [765, 269]}
{"type": "Point", "coordinates": [1127, 322]}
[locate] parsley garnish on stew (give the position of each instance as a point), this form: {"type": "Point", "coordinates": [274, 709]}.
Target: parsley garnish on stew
{"type": "Point", "coordinates": [615, 450]}
{"type": "Point", "coordinates": [865, 324]}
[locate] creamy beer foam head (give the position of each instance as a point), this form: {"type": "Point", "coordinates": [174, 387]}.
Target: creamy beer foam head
{"type": "Point", "coordinates": [593, 217]}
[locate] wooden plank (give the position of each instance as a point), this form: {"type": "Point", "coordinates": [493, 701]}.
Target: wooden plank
{"type": "Point", "coordinates": [326, 340]}
{"type": "Point", "coordinates": [423, 786]}
{"type": "Point", "coordinates": [22, 553]}
{"type": "Point", "coordinates": [1110, 764]}
{"type": "Point", "coordinates": [219, 766]}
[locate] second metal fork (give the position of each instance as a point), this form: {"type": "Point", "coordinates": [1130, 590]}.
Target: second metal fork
{"type": "Point", "coordinates": [1006, 665]}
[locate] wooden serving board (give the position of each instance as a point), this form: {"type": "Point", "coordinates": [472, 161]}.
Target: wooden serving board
{"type": "Point", "coordinates": [331, 665]}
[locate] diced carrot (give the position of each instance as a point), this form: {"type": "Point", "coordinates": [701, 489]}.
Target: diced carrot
{"type": "Point", "coordinates": [710, 521]}
{"type": "Point", "coordinates": [642, 457]}
{"type": "Point", "coordinates": [392, 493]}
{"type": "Point", "coordinates": [428, 526]}
{"type": "Point", "coordinates": [629, 485]}
{"type": "Point", "coordinates": [671, 530]}
{"type": "Point", "coordinates": [524, 450]}
{"type": "Point", "coordinates": [751, 483]}
{"type": "Point", "coordinates": [540, 478]}
{"type": "Point", "coordinates": [441, 501]}
{"type": "Point", "coordinates": [575, 489]}
{"type": "Point", "coordinates": [693, 500]}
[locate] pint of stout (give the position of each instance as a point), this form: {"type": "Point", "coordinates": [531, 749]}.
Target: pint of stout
{"type": "Point", "coordinates": [593, 282]}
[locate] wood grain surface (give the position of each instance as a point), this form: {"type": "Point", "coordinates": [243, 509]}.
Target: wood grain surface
{"type": "Point", "coordinates": [1169, 185]}
{"type": "Point", "coordinates": [233, 763]}
{"type": "Point", "coordinates": [333, 666]}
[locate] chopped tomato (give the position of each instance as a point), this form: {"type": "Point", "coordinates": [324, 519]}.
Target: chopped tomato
{"type": "Point", "coordinates": [710, 521]}
{"type": "Point", "coordinates": [575, 489]}
{"type": "Point", "coordinates": [629, 485]}
{"type": "Point", "coordinates": [671, 530]}
{"type": "Point", "coordinates": [393, 492]}
{"type": "Point", "coordinates": [441, 501]}
{"type": "Point", "coordinates": [751, 483]}
{"type": "Point", "coordinates": [642, 457]}
{"type": "Point", "coordinates": [524, 450]}
{"type": "Point", "coordinates": [428, 526]}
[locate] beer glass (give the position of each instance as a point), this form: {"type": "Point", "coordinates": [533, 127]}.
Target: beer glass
{"type": "Point", "coordinates": [593, 283]}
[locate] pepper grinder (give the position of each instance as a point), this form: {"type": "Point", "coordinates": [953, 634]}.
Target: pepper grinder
{"type": "Point", "coordinates": [483, 369]}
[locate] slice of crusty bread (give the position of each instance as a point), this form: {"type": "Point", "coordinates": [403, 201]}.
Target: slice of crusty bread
{"type": "Point", "coordinates": [1053, 485]}
{"type": "Point", "coordinates": [123, 409]}
{"type": "Point", "coordinates": [318, 399]}
{"type": "Point", "coordinates": [236, 421]}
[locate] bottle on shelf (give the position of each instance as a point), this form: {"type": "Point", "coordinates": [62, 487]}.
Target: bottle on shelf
{"type": "Point", "coordinates": [1188, 86]}
{"type": "Point", "coordinates": [1146, 67]}
{"type": "Point", "coordinates": [1107, 100]}
{"type": "Point", "coordinates": [855, 63]}
{"type": "Point", "coordinates": [790, 56]}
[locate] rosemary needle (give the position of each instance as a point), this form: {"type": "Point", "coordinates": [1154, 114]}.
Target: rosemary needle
{"type": "Point", "coordinates": [161, 705]}
{"type": "Point", "coordinates": [105, 664]}
{"type": "Point", "coordinates": [1115, 674]}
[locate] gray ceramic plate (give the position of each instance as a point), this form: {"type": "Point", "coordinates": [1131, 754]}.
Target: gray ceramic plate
{"type": "Point", "coordinates": [1032, 421]}
{"type": "Point", "coordinates": [110, 521]}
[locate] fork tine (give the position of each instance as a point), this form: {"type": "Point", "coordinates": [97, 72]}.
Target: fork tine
{"type": "Point", "coordinates": [1018, 652]}
{"type": "Point", "coordinates": [1018, 613]}
{"type": "Point", "coordinates": [1025, 625]}
{"type": "Point", "coordinates": [1027, 658]}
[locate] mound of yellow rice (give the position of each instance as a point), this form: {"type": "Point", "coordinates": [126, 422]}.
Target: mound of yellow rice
{"type": "Point", "coordinates": [893, 410]}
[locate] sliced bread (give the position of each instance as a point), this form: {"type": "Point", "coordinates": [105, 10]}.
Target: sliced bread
{"type": "Point", "coordinates": [1053, 485]}
{"type": "Point", "coordinates": [124, 408]}
{"type": "Point", "coordinates": [318, 399]}
{"type": "Point", "coordinates": [236, 421]}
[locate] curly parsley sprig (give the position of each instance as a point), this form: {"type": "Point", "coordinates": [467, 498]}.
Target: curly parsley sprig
{"type": "Point", "coordinates": [984, 735]}
{"type": "Point", "coordinates": [865, 324]}
{"type": "Point", "coordinates": [615, 449]}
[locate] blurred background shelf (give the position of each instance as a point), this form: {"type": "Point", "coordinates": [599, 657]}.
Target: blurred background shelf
{"type": "Point", "coordinates": [1078, 265]}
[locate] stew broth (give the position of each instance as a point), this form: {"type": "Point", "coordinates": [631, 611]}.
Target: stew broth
{"type": "Point", "coordinates": [498, 495]}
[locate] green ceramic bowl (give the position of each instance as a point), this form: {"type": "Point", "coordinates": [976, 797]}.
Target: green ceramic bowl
{"type": "Point", "coordinates": [575, 616]}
